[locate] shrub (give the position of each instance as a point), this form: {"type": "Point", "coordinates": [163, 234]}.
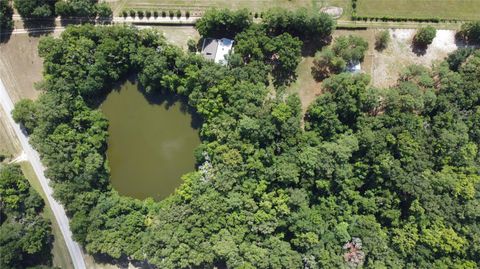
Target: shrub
{"type": "Point", "coordinates": [192, 45]}
{"type": "Point", "coordinates": [171, 13]}
{"type": "Point", "coordinates": [179, 14]}
{"type": "Point", "coordinates": [103, 10]}
{"type": "Point", "coordinates": [424, 36]}
{"type": "Point", "coordinates": [456, 58]}
{"type": "Point", "coordinates": [132, 13]}
{"type": "Point", "coordinates": [140, 13]}
{"type": "Point", "coordinates": [148, 13]}
{"type": "Point", "coordinates": [124, 13]}
{"type": "Point", "coordinates": [350, 48]}
{"type": "Point", "coordinates": [327, 63]}
{"type": "Point", "coordinates": [164, 13]}
{"type": "Point", "coordinates": [155, 14]}
{"type": "Point", "coordinates": [470, 31]}
{"type": "Point", "coordinates": [382, 39]}
{"type": "Point", "coordinates": [187, 14]}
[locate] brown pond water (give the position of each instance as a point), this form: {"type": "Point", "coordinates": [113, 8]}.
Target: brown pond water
{"type": "Point", "coordinates": [151, 142]}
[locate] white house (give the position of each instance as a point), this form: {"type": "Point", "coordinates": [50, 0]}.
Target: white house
{"type": "Point", "coordinates": [217, 49]}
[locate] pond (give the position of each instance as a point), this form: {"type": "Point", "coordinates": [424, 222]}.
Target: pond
{"type": "Point", "coordinates": [151, 142]}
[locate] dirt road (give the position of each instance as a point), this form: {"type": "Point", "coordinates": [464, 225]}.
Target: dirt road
{"type": "Point", "coordinates": [32, 155]}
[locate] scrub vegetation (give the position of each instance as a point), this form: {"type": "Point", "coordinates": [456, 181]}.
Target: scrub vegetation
{"type": "Point", "coordinates": [379, 178]}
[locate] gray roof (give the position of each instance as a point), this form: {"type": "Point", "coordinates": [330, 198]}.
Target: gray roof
{"type": "Point", "coordinates": [209, 49]}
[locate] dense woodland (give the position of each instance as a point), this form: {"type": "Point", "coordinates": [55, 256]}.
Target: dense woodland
{"type": "Point", "coordinates": [25, 235]}
{"type": "Point", "coordinates": [384, 178]}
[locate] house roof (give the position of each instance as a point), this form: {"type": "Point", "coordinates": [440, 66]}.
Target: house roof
{"type": "Point", "coordinates": [216, 49]}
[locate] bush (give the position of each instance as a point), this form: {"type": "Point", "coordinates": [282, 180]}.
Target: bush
{"type": "Point", "coordinates": [140, 13]}
{"type": "Point", "coordinates": [164, 13]}
{"type": "Point", "coordinates": [103, 10]}
{"type": "Point", "coordinates": [148, 13]}
{"type": "Point", "coordinates": [327, 63]}
{"type": "Point", "coordinates": [187, 14]}
{"type": "Point", "coordinates": [155, 14]}
{"type": "Point", "coordinates": [382, 39]}
{"type": "Point", "coordinates": [350, 48]}
{"type": "Point", "coordinates": [179, 14]}
{"type": "Point", "coordinates": [132, 13]}
{"type": "Point", "coordinates": [424, 36]}
{"type": "Point", "coordinates": [124, 13]}
{"type": "Point", "coordinates": [470, 32]}
{"type": "Point", "coordinates": [192, 45]}
{"type": "Point", "coordinates": [171, 13]}
{"type": "Point", "coordinates": [456, 58]}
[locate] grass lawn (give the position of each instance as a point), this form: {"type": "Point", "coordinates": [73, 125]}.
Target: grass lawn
{"type": "Point", "coordinates": [444, 9]}
{"type": "Point", "coordinates": [61, 257]}
{"type": "Point", "coordinates": [200, 5]}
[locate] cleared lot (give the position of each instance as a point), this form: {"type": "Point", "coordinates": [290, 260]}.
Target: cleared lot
{"type": "Point", "coordinates": [443, 9]}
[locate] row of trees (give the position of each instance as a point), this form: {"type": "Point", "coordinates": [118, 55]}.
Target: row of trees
{"type": "Point", "coordinates": [25, 235]}
{"type": "Point", "coordinates": [302, 23]}
{"type": "Point", "coordinates": [69, 8]}
{"type": "Point", "coordinates": [383, 178]}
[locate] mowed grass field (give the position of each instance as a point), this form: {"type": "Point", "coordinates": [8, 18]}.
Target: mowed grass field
{"type": "Point", "coordinates": [443, 9]}
{"type": "Point", "coordinates": [202, 5]}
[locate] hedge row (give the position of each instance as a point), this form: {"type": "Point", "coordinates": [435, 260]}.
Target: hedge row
{"type": "Point", "coordinates": [398, 19]}
{"type": "Point", "coordinates": [148, 13]}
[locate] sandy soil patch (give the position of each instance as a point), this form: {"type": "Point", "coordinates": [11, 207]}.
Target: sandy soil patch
{"type": "Point", "coordinates": [387, 65]}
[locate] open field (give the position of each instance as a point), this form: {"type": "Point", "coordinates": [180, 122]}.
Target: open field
{"type": "Point", "coordinates": [389, 63]}
{"type": "Point", "coordinates": [20, 66]}
{"type": "Point", "coordinates": [252, 5]}
{"type": "Point", "coordinates": [201, 5]}
{"type": "Point", "coordinates": [443, 9]}
{"type": "Point", "coordinates": [61, 257]}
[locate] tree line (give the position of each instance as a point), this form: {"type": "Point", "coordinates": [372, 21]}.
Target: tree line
{"type": "Point", "coordinates": [379, 178]}
{"type": "Point", "coordinates": [68, 8]}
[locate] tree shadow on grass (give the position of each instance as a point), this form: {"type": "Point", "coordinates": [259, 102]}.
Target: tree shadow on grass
{"type": "Point", "coordinates": [122, 262]}
{"type": "Point", "coordinates": [310, 47]}
{"type": "Point", "coordinates": [5, 36]}
{"type": "Point", "coordinates": [39, 27]}
{"type": "Point", "coordinates": [419, 49]}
